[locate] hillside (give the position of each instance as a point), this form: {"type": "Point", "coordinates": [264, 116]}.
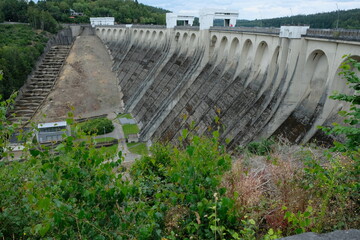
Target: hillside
{"type": "Point", "coordinates": [349, 19]}
{"type": "Point", "coordinates": [77, 11]}
{"type": "Point", "coordinates": [20, 47]}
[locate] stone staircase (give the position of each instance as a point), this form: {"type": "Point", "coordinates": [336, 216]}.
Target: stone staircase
{"type": "Point", "coordinates": [39, 86]}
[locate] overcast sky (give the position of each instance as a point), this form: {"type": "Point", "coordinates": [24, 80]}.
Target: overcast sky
{"type": "Point", "coordinates": [256, 9]}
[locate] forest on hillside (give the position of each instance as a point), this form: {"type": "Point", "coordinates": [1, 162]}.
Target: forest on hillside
{"type": "Point", "coordinates": [349, 19]}
{"type": "Point", "coordinates": [20, 48]}
{"type": "Point", "coordinates": [51, 12]}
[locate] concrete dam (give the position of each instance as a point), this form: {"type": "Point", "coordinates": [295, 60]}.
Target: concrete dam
{"type": "Point", "coordinates": [252, 82]}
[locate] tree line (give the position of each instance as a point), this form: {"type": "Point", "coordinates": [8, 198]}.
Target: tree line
{"type": "Point", "coordinates": [349, 19]}
{"type": "Point", "coordinates": [47, 13]}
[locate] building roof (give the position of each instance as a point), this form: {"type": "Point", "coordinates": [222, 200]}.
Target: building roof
{"type": "Point", "coordinates": [52, 124]}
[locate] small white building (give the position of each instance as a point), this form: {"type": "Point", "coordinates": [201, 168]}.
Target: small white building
{"type": "Point", "coordinates": [52, 132]}
{"type": "Point", "coordinates": [207, 17]}
{"type": "Point", "coordinates": [173, 18]}
{"type": "Point", "coordinates": [293, 31]}
{"type": "Point", "coordinates": [94, 21]}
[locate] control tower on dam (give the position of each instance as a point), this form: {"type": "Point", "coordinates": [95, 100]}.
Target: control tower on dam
{"type": "Point", "coordinates": [255, 82]}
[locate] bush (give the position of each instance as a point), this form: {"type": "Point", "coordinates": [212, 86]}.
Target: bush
{"type": "Point", "coordinates": [97, 126]}
{"type": "Point", "coordinates": [260, 148]}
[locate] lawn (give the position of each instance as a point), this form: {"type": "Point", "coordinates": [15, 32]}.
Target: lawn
{"type": "Point", "coordinates": [138, 148]}
{"type": "Point", "coordinates": [130, 129]}
{"type": "Point", "coordinates": [109, 151]}
{"type": "Point", "coordinates": [125, 115]}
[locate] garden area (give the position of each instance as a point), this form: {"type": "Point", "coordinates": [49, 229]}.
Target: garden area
{"type": "Point", "coordinates": [131, 128]}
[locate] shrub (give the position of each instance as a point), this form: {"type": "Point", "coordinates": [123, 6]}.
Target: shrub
{"type": "Point", "coordinates": [352, 117]}
{"type": "Point", "coordinates": [97, 126]}
{"type": "Point", "coordinates": [260, 148]}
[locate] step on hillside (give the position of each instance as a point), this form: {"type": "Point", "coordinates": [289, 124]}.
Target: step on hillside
{"type": "Point", "coordinates": [40, 84]}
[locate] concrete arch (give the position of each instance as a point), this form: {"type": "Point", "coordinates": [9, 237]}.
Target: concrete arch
{"type": "Point", "coordinates": [177, 36]}
{"type": "Point", "coordinates": [315, 74]}
{"type": "Point", "coordinates": [245, 59]}
{"type": "Point", "coordinates": [261, 56]}
{"type": "Point", "coordinates": [114, 33]}
{"type": "Point", "coordinates": [233, 48]}
{"type": "Point", "coordinates": [192, 39]}
{"type": "Point", "coordinates": [147, 35]}
{"type": "Point", "coordinates": [108, 34]}
{"type": "Point", "coordinates": [103, 33]}
{"type": "Point", "coordinates": [274, 63]}
{"type": "Point", "coordinates": [213, 42]}
{"type": "Point", "coordinates": [224, 41]}
{"type": "Point", "coordinates": [118, 36]}
{"type": "Point", "coordinates": [161, 35]}
{"type": "Point", "coordinates": [316, 68]}
{"type": "Point", "coordinates": [184, 38]}
{"type": "Point", "coordinates": [222, 50]}
{"type": "Point", "coordinates": [153, 39]}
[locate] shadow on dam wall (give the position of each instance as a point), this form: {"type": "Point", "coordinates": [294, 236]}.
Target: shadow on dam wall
{"type": "Point", "coordinates": [254, 85]}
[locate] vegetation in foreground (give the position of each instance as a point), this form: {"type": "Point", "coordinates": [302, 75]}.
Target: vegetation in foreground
{"type": "Point", "coordinates": [191, 191]}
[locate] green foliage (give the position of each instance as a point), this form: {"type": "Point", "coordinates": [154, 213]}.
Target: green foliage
{"type": "Point", "coordinates": [130, 129]}
{"type": "Point", "coordinates": [138, 148]}
{"type": "Point", "coordinates": [43, 20]}
{"type": "Point", "coordinates": [352, 117]}
{"type": "Point", "coordinates": [184, 180]}
{"type": "Point", "coordinates": [14, 10]}
{"type": "Point", "coordinates": [300, 221]}
{"type": "Point", "coordinates": [260, 148]}
{"type": "Point", "coordinates": [20, 47]}
{"type": "Point", "coordinates": [123, 11]}
{"type": "Point", "coordinates": [46, 14]}
{"type": "Point", "coordinates": [97, 126]}
{"type": "Point", "coordinates": [125, 115]}
{"type": "Point", "coordinates": [348, 19]}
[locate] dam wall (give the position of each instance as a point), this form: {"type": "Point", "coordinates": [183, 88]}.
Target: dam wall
{"type": "Point", "coordinates": [248, 83]}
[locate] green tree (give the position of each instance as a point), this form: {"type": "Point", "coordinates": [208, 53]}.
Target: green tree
{"type": "Point", "coordinates": [352, 117]}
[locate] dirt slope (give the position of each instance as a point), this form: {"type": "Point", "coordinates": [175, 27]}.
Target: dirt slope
{"type": "Point", "coordinates": [86, 82]}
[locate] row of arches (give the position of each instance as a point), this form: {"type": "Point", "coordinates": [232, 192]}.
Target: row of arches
{"type": "Point", "coordinates": [243, 48]}
{"type": "Point", "coordinates": [113, 34]}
